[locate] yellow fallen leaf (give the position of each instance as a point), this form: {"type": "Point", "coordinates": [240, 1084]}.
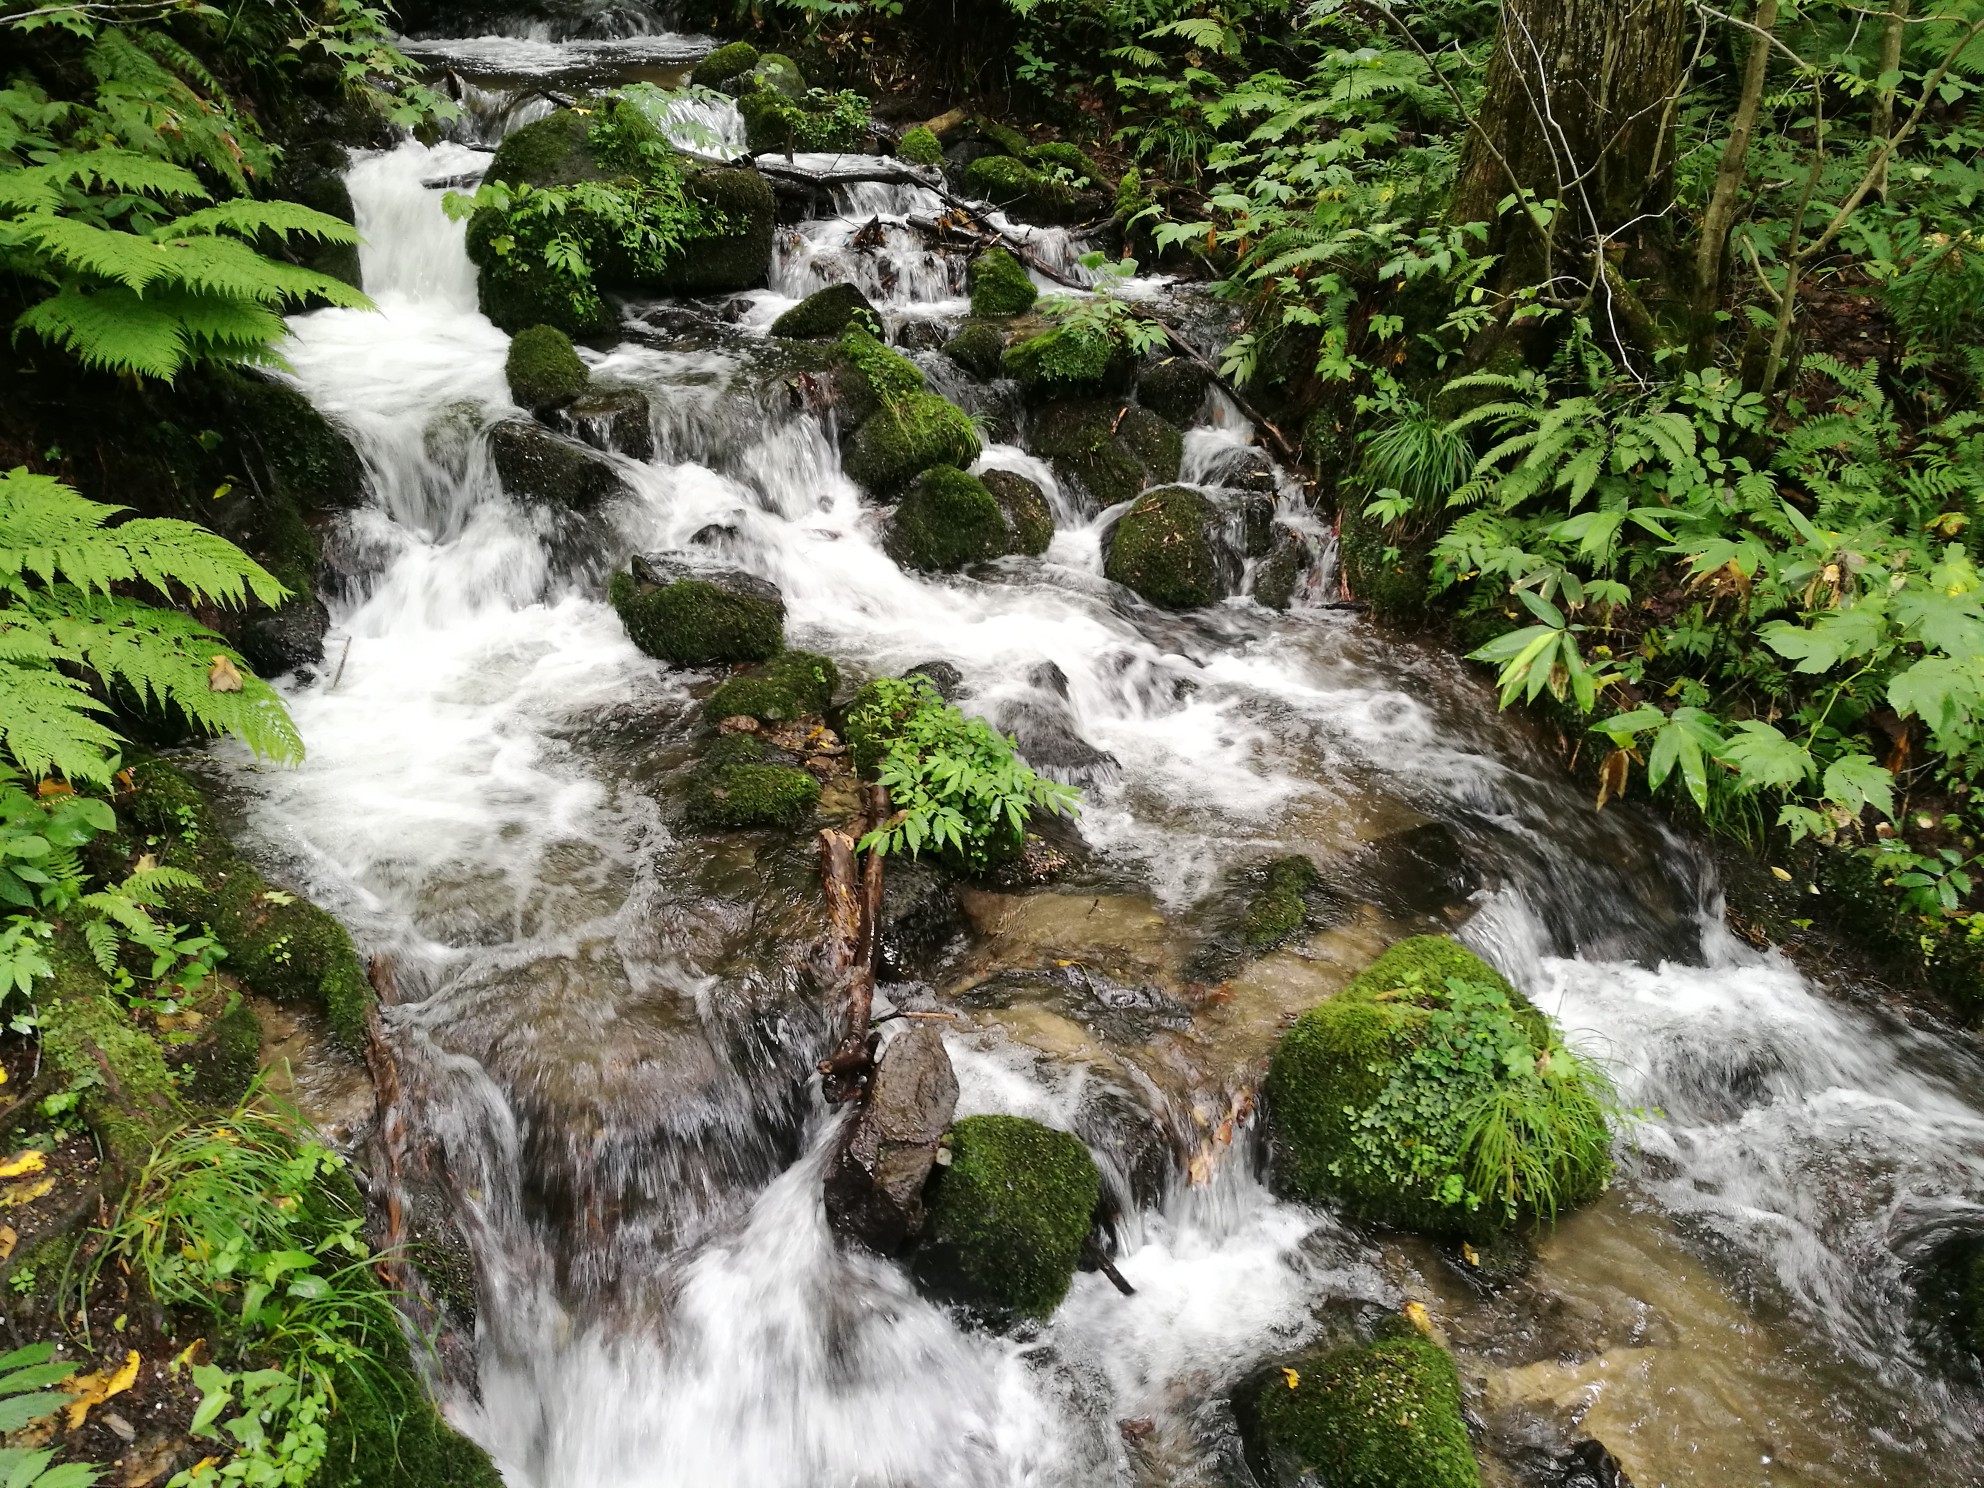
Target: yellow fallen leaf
{"type": "Point", "coordinates": [8, 1240]}
{"type": "Point", "coordinates": [1469, 1254]}
{"type": "Point", "coordinates": [184, 1359]}
{"type": "Point", "coordinates": [222, 676]}
{"type": "Point", "coordinates": [1292, 1377]}
{"type": "Point", "coordinates": [95, 1388]}
{"type": "Point", "coordinates": [1416, 1314]}
{"type": "Point", "coordinates": [18, 1194]}
{"type": "Point", "coordinates": [3, 1077]}
{"type": "Point", "coordinates": [30, 1161]}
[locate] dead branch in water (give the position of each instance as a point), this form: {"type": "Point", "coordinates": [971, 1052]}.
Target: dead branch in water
{"type": "Point", "coordinates": [853, 890]}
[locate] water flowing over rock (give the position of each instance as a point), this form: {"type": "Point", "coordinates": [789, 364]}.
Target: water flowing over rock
{"type": "Point", "coordinates": [875, 1184]}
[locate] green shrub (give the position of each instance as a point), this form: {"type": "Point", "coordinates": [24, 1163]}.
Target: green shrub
{"type": "Point", "coordinates": [920, 147]}
{"type": "Point", "coordinates": [1000, 284]}
{"type": "Point", "coordinates": [1007, 1217]}
{"type": "Point", "coordinates": [819, 121]}
{"type": "Point", "coordinates": [908, 436]}
{"type": "Point", "coordinates": [695, 622]}
{"type": "Point", "coordinates": [1164, 549]}
{"type": "Point", "coordinates": [723, 64]}
{"type": "Point", "coordinates": [793, 685]}
{"type": "Point", "coordinates": [945, 520]}
{"type": "Point", "coordinates": [543, 369]}
{"type": "Point", "coordinates": [1431, 1096]}
{"type": "Point", "coordinates": [1380, 1415]}
{"type": "Point", "coordinates": [959, 788]}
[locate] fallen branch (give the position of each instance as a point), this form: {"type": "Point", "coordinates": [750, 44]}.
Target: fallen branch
{"type": "Point", "coordinates": [854, 913]}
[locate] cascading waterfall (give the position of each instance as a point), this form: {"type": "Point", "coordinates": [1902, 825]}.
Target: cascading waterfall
{"type": "Point", "coordinates": [610, 1049]}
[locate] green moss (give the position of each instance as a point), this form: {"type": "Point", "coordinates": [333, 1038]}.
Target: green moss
{"type": "Point", "coordinates": [794, 684]}
{"type": "Point", "coordinates": [920, 147]}
{"type": "Point", "coordinates": [902, 439]}
{"type": "Point", "coordinates": [552, 151]}
{"type": "Point", "coordinates": [517, 290]}
{"type": "Point", "coordinates": [223, 1065]}
{"type": "Point", "coordinates": [543, 370]}
{"type": "Point", "coordinates": [309, 459]}
{"type": "Point", "coordinates": [1392, 581]}
{"type": "Point", "coordinates": [1174, 389]}
{"type": "Point", "coordinates": [734, 249]}
{"type": "Point", "coordinates": [738, 787]}
{"type": "Point", "coordinates": [1067, 361]}
{"type": "Point", "coordinates": [90, 1041]}
{"type": "Point", "coordinates": [723, 64]}
{"type": "Point", "coordinates": [1158, 446]}
{"type": "Point", "coordinates": [1000, 284]}
{"type": "Point", "coordinates": [819, 121]}
{"type": "Point", "coordinates": [978, 348]}
{"type": "Point", "coordinates": [1060, 155]}
{"type": "Point", "coordinates": [889, 375]}
{"type": "Point", "coordinates": [1017, 186]}
{"type": "Point", "coordinates": [1008, 1216]}
{"type": "Point", "coordinates": [1029, 519]}
{"type": "Point", "coordinates": [1341, 1056]}
{"type": "Point", "coordinates": [780, 74]}
{"type": "Point", "coordinates": [1004, 136]}
{"type": "Point", "coordinates": [945, 520]}
{"type": "Point", "coordinates": [693, 622]}
{"type": "Point", "coordinates": [386, 1433]}
{"type": "Point", "coordinates": [1078, 437]}
{"type": "Point", "coordinates": [1278, 910]}
{"type": "Point", "coordinates": [827, 312]}
{"type": "Point", "coordinates": [1383, 1415]}
{"type": "Point", "coordinates": [1163, 549]}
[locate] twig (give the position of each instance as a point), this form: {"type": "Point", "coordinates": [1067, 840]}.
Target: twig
{"type": "Point", "coordinates": [343, 657]}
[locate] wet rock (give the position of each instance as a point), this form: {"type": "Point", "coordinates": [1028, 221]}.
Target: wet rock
{"type": "Point", "coordinates": [543, 370]}
{"type": "Point", "coordinates": [1379, 1415]}
{"type": "Point", "coordinates": [1120, 1012]}
{"type": "Point", "coordinates": [1081, 439]}
{"type": "Point", "coordinates": [741, 784]}
{"type": "Point", "coordinates": [999, 284]}
{"type": "Point", "coordinates": [1007, 1217]}
{"type": "Point", "coordinates": [978, 348]}
{"type": "Point", "coordinates": [920, 917]}
{"type": "Point", "coordinates": [1038, 862]}
{"type": "Point", "coordinates": [947, 679]}
{"type": "Point", "coordinates": [1158, 446]}
{"type": "Point", "coordinates": [307, 457]}
{"type": "Point", "coordinates": [719, 262]}
{"type": "Point", "coordinates": [905, 437]}
{"type": "Point", "coordinates": [1028, 518]}
{"type": "Point", "coordinates": [791, 686]}
{"type": "Point", "coordinates": [1253, 515]}
{"type": "Point", "coordinates": [1425, 870]}
{"type": "Point", "coordinates": [1135, 1152]}
{"type": "Point", "coordinates": [1175, 390]}
{"type": "Point", "coordinates": [1253, 471]}
{"type": "Point", "coordinates": [1045, 725]}
{"type": "Point", "coordinates": [314, 176]}
{"type": "Point", "coordinates": [921, 335]}
{"type": "Point", "coordinates": [1281, 570]}
{"type": "Point", "coordinates": [279, 641]}
{"type": "Point", "coordinates": [1165, 550]}
{"type": "Point", "coordinates": [874, 1190]}
{"type": "Point", "coordinates": [945, 520]}
{"type": "Point", "coordinates": [1281, 906]}
{"type": "Point", "coordinates": [696, 617]}
{"type": "Point", "coordinates": [1589, 1465]}
{"type": "Point", "coordinates": [538, 465]}
{"type": "Point", "coordinates": [827, 312]}
{"type": "Point", "coordinates": [1069, 361]}
{"type": "Point", "coordinates": [612, 417]}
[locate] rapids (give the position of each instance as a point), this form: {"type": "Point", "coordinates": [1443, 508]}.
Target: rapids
{"type": "Point", "coordinates": [605, 1038]}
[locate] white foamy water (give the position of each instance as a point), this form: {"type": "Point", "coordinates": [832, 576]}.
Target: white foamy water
{"type": "Point", "coordinates": [467, 805]}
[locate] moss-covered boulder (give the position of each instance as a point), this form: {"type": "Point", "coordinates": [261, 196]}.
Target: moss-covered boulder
{"type": "Point", "coordinates": [1278, 909]}
{"type": "Point", "coordinates": [907, 436]}
{"type": "Point", "coordinates": [537, 465]}
{"type": "Point", "coordinates": [1024, 190]}
{"type": "Point", "coordinates": [553, 151]}
{"type": "Point", "coordinates": [792, 685]}
{"type": "Point", "coordinates": [1159, 446]}
{"type": "Point", "coordinates": [611, 416]}
{"type": "Point", "coordinates": [1070, 361]}
{"type": "Point", "coordinates": [945, 520]}
{"type": "Point", "coordinates": [884, 373]}
{"type": "Point", "coordinates": [89, 1039]}
{"type": "Point", "coordinates": [1029, 519]}
{"type": "Point", "coordinates": [978, 347]}
{"type": "Point", "coordinates": [1062, 156]}
{"type": "Point", "coordinates": [1007, 1217]}
{"type": "Point", "coordinates": [1000, 284]}
{"type": "Point", "coordinates": [1166, 549]}
{"type": "Point", "coordinates": [1379, 1415]}
{"type": "Point", "coordinates": [544, 371]}
{"type": "Point", "coordinates": [723, 64]}
{"type": "Point", "coordinates": [919, 146]}
{"type": "Point", "coordinates": [815, 121]}
{"type": "Point", "coordinates": [309, 460]}
{"type": "Point", "coordinates": [776, 73]}
{"type": "Point", "coordinates": [827, 312]}
{"type": "Point", "coordinates": [733, 249]}
{"type": "Point", "coordinates": [1174, 389]}
{"type": "Point", "coordinates": [517, 290]}
{"type": "Point", "coordinates": [698, 617]}
{"type": "Point", "coordinates": [1281, 570]}
{"type": "Point", "coordinates": [740, 784]}
{"type": "Point", "coordinates": [1389, 577]}
{"type": "Point", "coordinates": [1103, 452]}
{"type": "Point", "coordinates": [1357, 1121]}
{"type": "Point", "coordinates": [1002, 137]}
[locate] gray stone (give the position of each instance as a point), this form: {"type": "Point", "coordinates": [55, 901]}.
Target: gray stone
{"type": "Point", "coordinates": [920, 917]}
{"type": "Point", "coordinates": [612, 417]}
{"type": "Point", "coordinates": [281, 640]}
{"type": "Point", "coordinates": [874, 1190]}
{"type": "Point", "coordinates": [538, 465]}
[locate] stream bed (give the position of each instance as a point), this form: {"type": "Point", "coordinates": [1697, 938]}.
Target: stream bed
{"type": "Point", "coordinates": [608, 1031]}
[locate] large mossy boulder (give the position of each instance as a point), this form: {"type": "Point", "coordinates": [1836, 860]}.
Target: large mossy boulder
{"type": "Point", "coordinates": [791, 686]}
{"type": "Point", "coordinates": [1026, 191]}
{"type": "Point", "coordinates": [815, 120]}
{"type": "Point", "coordinates": [906, 436]}
{"type": "Point", "coordinates": [1174, 388]}
{"type": "Point", "coordinates": [1007, 1217]}
{"type": "Point", "coordinates": [1029, 519]}
{"type": "Point", "coordinates": [741, 784]}
{"type": "Point", "coordinates": [999, 284]}
{"type": "Point", "coordinates": [543, 370]}
{"type": "Point", "coordinates": [1070, 361]}
{"type": "Point", "coordinates": [1167, 550]}
{"type": "Point", "coordinates": [537, 465]}
{"type": "Point", "coordinates": [1103, 452]}
{"type": "Point", "coordinates": [1379, 1415]}
{"type": "Point", "coordinates": [1356, 1120]}
{"type": "Point", "coordinates": [553, 151]}
{"type": "Point", "coordinates": [978, 347]}
{"type": "Point", "coordinates": [698, 617]}
{"type": "Point", "coordinates": [945, 520]}
{"type": "Point", "coordinates": [733, 249]}
{"type": "Point", "coordinates": [827, 312]}
{"type": "Point", "coordinates": [726, 62]}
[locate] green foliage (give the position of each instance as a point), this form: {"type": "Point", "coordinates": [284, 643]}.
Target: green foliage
{"type": "Point", "coordinates": [66, 615]}
{"type": "Point", "coordinates": [25, 1398]}
{"type": "Point", "coordinates": [818, 121]}
{"type": "Point", "coordinates": [1428, 1094]}
{"type": "Point", "coordinates": [958, 786]}
{"type": "Point", "coordinates": [1094, 338]}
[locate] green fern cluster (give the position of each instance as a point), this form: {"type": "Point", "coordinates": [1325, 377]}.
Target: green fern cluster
{"type": "Point", "coordinates": [68, 620]}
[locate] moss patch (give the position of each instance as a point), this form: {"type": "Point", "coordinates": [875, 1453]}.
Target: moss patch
{"type": "Point", "coordinates": [552, 151]}
{"type": "Point", "coordinates": [1391, 581]}
{"type": "Point", "coordinates": [885, 374]}
{"type": "Point", "coordinates": [1278, 910]}
{"type": "Point", "coordinates": [1383, 1415]}
{"type": "Point", "coordinates": [1000, 284]}
{"type": "Point", "coordinates": [978, 348]}
{"type": "Point", "coordinates": [816, 121]}
{"type": "Point", "coordinates": [723, 64]}
{"type": "Point", "coordinates": [794, 684]}
{"type": "Point", "coordinates": [945, 520]}
{"type": "Point", "coordinates": [908, 436]}
{"type": "Point", "coordinates": [735, 248]}
{"type": "Point", "coordinates": [1164, 549]}
{"type": "Point", "coordinates": [1008, 1216]}
{"type": "Point", "coordinates": [543, 370]}
{"type": "Point", "coordinates": [1174, 389]}
{"type": "Point", "coordinates": [1068, 361]}
{"type": "Point", "coordinates": [920, 147]}
{"type": "Point", "coordinates": [1079, 439]}
{"type": "Point", "coordinates": [739, 786]}
{"type": "Point", "coordinates": [1029, 519]}
{"type": "Point", "coordinates": [827, 312]}
{"type": "Point", "coordinates": [697, 621]}
{"type": "Point", "coordinates": [1029, 193]}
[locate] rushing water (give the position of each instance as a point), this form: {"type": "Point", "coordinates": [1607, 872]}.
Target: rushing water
{"type": "Point", "coordinates": [608, 1031]}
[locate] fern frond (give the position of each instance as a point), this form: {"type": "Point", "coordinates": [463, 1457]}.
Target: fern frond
{"type": "Point", "coordinates": [149, 886]}
{"type": "Point", "coordinates": [248, 217]}
{"type": "Point", "coordinates": [48, 724]}
{"type": "Point", "coordinates": [38, 188]}
{"type": "Point", "coordinates": [102, 941]}
{"type": "Point", "coordinates": [111, 330]}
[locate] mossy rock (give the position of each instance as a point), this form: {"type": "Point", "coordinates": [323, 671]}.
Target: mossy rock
{"type": "Point", "coordinates": [1165, 549]}
{"type": "Point", "coordinates": [884, 373]}
{"type": "Point", "coordinates": [777, 73]}
{"type": "Point", "coordinates": [978, 348]}
{"type": "Point", "coordinates": [1281, 906]}
{"type": "Point", "coordinates": [945, 520]}
{"type": "Point", "coordinates": [735, 251]}
{"type": "Point", "coordinates": [1174, 389]}
{"type": "Point", "coordinates": [537, 465]}
{"type": "Point", "coordinates": [905, 437]}
{"type": "Point", "coordinates": [1379, 1415]}
{"type": "Point", "coordinates": [1007, 1217]}
{"type": "Point", "coordinates": [552, 151]}
{"type": "Point", "coordinates": [698, 618]}
{"type": "Point", "coordinates": [308, 458]}
{"type": "Point", "coordinates": [1341, 1055]}
{"type": "Point", "coordinates": [1158, 445]}
{"type": "Point", "coordinates": [218, 1070]}
{"type": "Point", "coordinates": [1078, 437]}
{"type": "Point", "coordinates": [90, 1040]}
{"type": "Point", "coordinates": [1021, 189]}
{"type": "Point", "coordinates": [740, 786]}
{"type": "Point", "coordinates": [1069, 361]}
{"type": "Point", "coordinates": [1000, 284]}
{"type": "Point", "coordinates": [920, 147]}
{"type": "Point", "coordinates": [278, 943]}
{"type": "Point", "coordinates": [827, 312]}
{"type": "Point", "coordinates": [1003, 137]}
{"type": "Point", "coordinates": [1391, 580]}
{"type": "Point", "coordinates": [1060, 155]}
{"type": "Point", "coordinates": [1029, 519]}
{"type": "Point", "coordinates": [544, 371]}
{"type": "Point", "coordinates": [774, 122]}
{"type": "Point", "coordinates": [1281, 571]}
{"type": "Point", "coordinates": [723, 64]}
{"type": "Point", "coordinates": [792, 685]}
{"type": "Point", "coordinates": [517, 291]}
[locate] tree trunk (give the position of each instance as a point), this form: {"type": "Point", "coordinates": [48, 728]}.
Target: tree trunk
{"type": "Point", "coordinates": [1579, 110]}
{"type": "Point", "coordinates": [1892, 35]}
{"type": "Point", "coordinates": [1712, 246]}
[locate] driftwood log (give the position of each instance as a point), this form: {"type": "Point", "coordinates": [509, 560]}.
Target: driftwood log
{"type": "Point", "coordinates": [853, 887]}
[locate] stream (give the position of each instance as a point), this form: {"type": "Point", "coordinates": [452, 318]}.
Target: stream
{"type": "Point", "coordinates": [608, 1029]}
